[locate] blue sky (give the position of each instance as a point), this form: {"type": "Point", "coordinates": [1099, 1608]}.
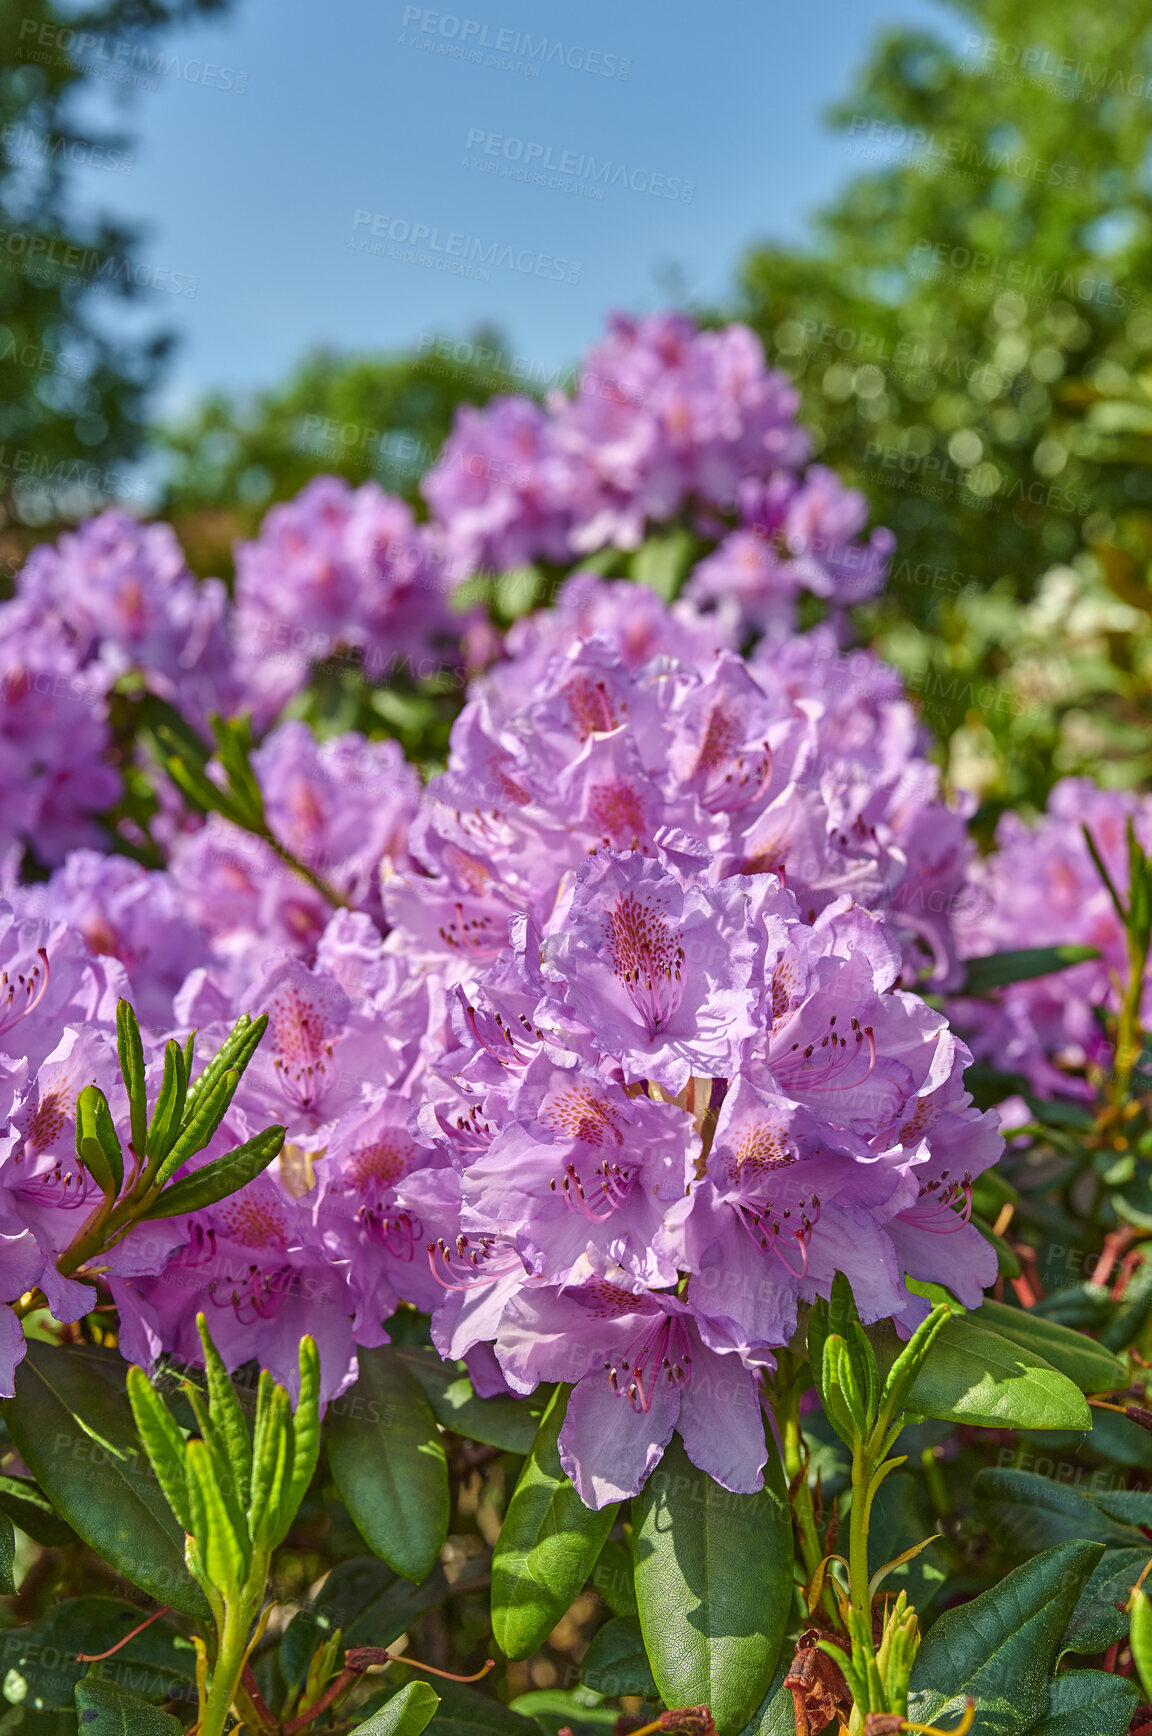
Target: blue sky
{"type": "Point", "coordinates": [356, 174]}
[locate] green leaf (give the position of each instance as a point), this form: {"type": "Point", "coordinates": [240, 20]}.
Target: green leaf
{"type": "Point", "coordinates": [1088, 1703]}
{"type": "Point", "coordinates": [1096, 1622]}
{"type": "Point", "coordinates": [235, 1051]}
{"type": "Point", "coordinates": [7, 1556]}
{"type": "Point", "coordinates": [305, 1435]}
{"type": "Point", "coordinates": [216, 1180]}
{"type": "Point", "coordinates": [464, 1712]}
{"type": "Point", "coordinates": [1028, 1513]}
{"type": "Point", "coordinates": [388, 1460]}
{"type": "Point", "coordinates": [616, 1662]}
{"type": "Point", "coordinates": [1087, 1364]}
{"type": "Point", "coordinates": [776, 1714]}
{"type": "Point", "coordinates": [1001, 1647]}
{"type": "Point", "coordinates": [29, 1508]}
{"type": "Point", "coordinates": [41, 1668]}
{"type": "Point", "coordinates": [97, 1144]}
{"type": "Point", "coordinates": [165, 1122]}
{"type": "Point", "coordinates": [200, 1124]}
{"type": "Point", "coordinates": [71, 1422]}
{"type": "Point", "coordinates": [612, 1578]}
{"type": "Point", "coordinates": [227, 1415]}
{"type": "Point", "coordinates": [713, 1584]}
{"type": "Point", "coordinates": [510, 1423]}
{"type": "Point", "coordinates": [405, 1714]}
{"type": "Point", "coordinates": [996, 969]}
{"type": "Point", "coordinates": [162, 1440]}
{"type": "Point", "coordinates": [1140, 1639]}
{"type": "Point", "coordinates": [225, 1554]}
{"type": "Point", "coordinates": [976, 1376]}
{"type": "Point", "coordinates": [105, 1709]}
{"type": "Point", "coordinates": [904, 1370]}
{"type": "Point", "coordinates": [663, 562]}
{"type": "Point", "coordinates": [130, 1049]}
{"type": "Point", "coordinates": [548, 1544]}
{"type": "Point", "coordinates": [579, 1708]}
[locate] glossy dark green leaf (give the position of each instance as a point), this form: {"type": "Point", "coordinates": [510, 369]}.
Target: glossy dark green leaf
{"type": "Point", "coordinates": [104, 1708]}
{"type": "Point", "coordinates": [223, 1176]}
{"type": "Point", "coordinates": [1086, 1363]}
{"type": "Point", "coordinates": [1026, 1513]}
{"type": "Point", "coordinates": [29, 1508]}
{"type": "Point", "coordinates": [548, 1544]}
{"type": "Point", "coordinates": [396, 1608]}
{"type": "Point", "coordinates": [612, 1579]}
{"type": "Point", "coordinates": [465, 1712]}
{"type": "Point", "coordinates": [510, 1423]}
{"type": "Point", "coordinates": [7, 1556]}
{"type": "Point", "coordinates": [42, 1667]}
{"type": "Point", "coordinates": [1001, 1647]}
{"type": "Point", "coordinates": [580, 1709]}
{"type": "Point", "coordinates": [996, 969]}
{"type": "Point", "coordinates": [1099, 1621]}
{"type": "Point", "coordinates": [975, 1376]}
{"type": "Point", "coordinates": [713, 1585]}
{"type": "Point", "coordinates": [1088, 1703]}
{"type": "Point", "coordinates": [388, 1460]}
{"type": "Point", "coordinates": [616, 1662]}
{"type": "Point", "coordinates": [405, 1714]}
{"type": "Point", "coordinates": [776, 1714]}
{"type": "Point", "coordinates": [73, 1426]}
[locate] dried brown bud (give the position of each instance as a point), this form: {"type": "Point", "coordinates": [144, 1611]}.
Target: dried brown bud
{"type": "Point", "coordinates": [883, 1724]}
{"type": "Point", "coordinates": [688, 1721]}
{"type": "Point", "coordinates": [1139, 1415]}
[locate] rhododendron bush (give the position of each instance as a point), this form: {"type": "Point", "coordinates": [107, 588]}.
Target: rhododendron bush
{"type": "Point", "coordinates": [520, 1089]}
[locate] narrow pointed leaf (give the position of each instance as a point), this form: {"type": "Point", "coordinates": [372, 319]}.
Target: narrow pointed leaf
{"type": "Point", "coordinates": [305, 1432]}
{"type": "Point", "coordinates": [388, 1460]}
{"type": "Point", "coordinates": [548, 1544]}
{"type": "Point", "coordinates": [198, 1128]}
{"type": "Point", "coordinates": [995, 970]}
{"type": "Point", "coordinates": [162, 1440]}
{"type": "Point", "coordinates": [130, 1049]}
{"type": "Point", "coordinates": [97, 1145]}
{"type": "Point", "coordinates": [713, 1585]}
{"type": "Point", "coordinates": [216, 1180]}
{"type": "Point", "coordinates": [224, 1553]}
{"type": "Point", "coordinates": [165, 1122]}
{"type": "Point", "coordinates": [235, 1052]}
{"type": "Point", "coordinates": [226, 1413]}
{"type": "Point", "coordinates": [269, 1451]}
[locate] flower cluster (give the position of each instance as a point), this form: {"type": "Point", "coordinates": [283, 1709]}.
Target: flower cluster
{"type": "Point", "coordinates": [665, 422]}
{"type": "Point", "coordinates": [337, 570]}
{"type": "Point", "coordinates": [1040, 887]}
{"type": "Point", "coordinates": [604, 1049]}
{"type": "Point", "coordinates": [648, 735]}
